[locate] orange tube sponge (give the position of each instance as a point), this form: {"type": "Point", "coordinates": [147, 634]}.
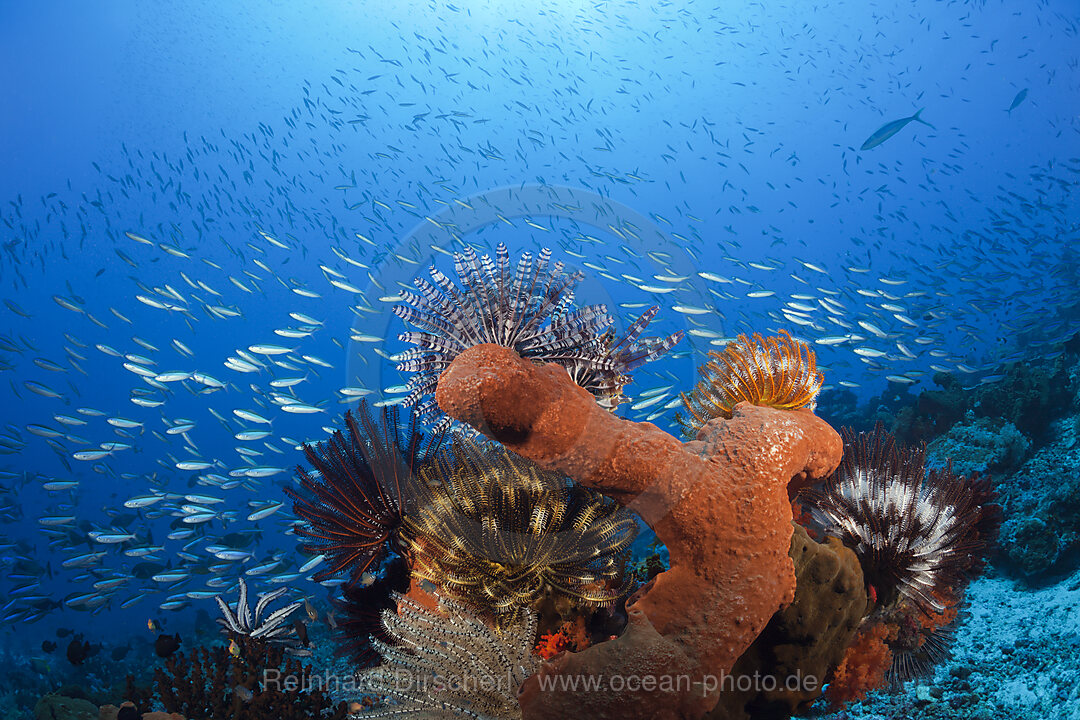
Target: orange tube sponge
{"type": "Point", "coordinates": [719, 503]}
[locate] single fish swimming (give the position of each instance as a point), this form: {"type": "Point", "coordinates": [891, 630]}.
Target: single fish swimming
{"type": "Point", "coordinates": [1020, 96]}
{"type": "Point", "coordinates": [889, 129]}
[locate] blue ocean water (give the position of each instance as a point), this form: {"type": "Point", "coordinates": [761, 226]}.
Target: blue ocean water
{"type": "Point", "coordinates": [208, 211]}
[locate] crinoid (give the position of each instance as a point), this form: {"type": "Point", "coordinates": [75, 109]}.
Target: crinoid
{"type": "Point", "coordinates": [918, 538]}
{"type": "Point", "coordinates": [602, 366]}
{"type": "Point", "coordinates": [360, 608]}
{"type": "Point", "coordinates": [498, 533]}
{"type": "Point", "coordinates": [272, 628]}
{"type": "Point", "coordinates": [355, 499]}
{"type": "Point", "coordinates": [449, 664]}
{"type": "Point", "coordinates": [777, 371]}
{"type": "Point", "coordinates": [530, 309]}
{"type": "Point", "coordinates": [916, 641]}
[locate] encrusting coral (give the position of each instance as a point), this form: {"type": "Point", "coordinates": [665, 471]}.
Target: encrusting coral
{"type": "Point", "coordinates": [494, 531]}
{"type": "Point", "coordinates": [777, 372]}
{"type": "Point", "coordinates": [720, 504]}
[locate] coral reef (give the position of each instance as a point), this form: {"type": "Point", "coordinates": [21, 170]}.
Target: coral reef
{"type": "Point", "coordinates": [449, 664]}
{"type": "Point", "coordinates": [806, 639]}
{"type": "Point", "coordinates": [356, 499]}
{"type": "Point", "coordinates": [840, 407]}
{"type": "Point", "coordinates": [1027, 395]}
{"type": "Point", "coordinates": [257, 675]}
{"type": "Point", "coordinates": [1042, 505]}
{"type": "Point", "coordinates": [776, 372]}
{"type": "Point", "coordinates": [496, 532]}
{"type": "Point", "coordinates": [255, 680]}
{"type": "Point", "coordinates": [59, 707]}
{"type": "Point", "coordinates": [932, 413]}
{"type": "Point", "coordinates": [1019, 416]}
{"type": "Point", "coordinates": [1016, 654]}
{"type": "Point", "coordinates": [529, 309]}
{"type": "Point", "coordinates": [649, 567]}
{"type": "Point", "coordinates": [919, 538]}
{"type": "Point", "coordinates": [912, 419]}
{"type": "Point", "coordinates": [979, 445]}
{"type": "Point", "coordinates": [720, 504]}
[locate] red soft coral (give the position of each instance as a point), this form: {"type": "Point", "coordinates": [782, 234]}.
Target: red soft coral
{"type": "Point", "coordinates": [571, 636]}
{"type": "Point", "coordinates": [864, 665]}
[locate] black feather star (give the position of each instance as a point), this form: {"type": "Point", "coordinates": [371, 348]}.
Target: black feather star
{"type": "Point", "coordinates": [360, 611]}
{"type": "Point", "coordinates": [354, 501]}
{"type": "Point", "coordinates": [918, 537]}
{"type": "Point", "coordinates": [530, 309]}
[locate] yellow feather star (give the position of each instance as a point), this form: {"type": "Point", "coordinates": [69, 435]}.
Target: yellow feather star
{"type": "Point", "coordinates": [777, 372]}
{"type": "Point", "coordinates": [498, 533]}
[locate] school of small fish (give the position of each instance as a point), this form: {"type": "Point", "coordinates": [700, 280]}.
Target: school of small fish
{"type": "Point", "coordinates": [172, 336]}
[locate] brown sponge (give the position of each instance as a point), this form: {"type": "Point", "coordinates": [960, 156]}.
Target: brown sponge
{"type": "Point", "coordinates": [805, 640]}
